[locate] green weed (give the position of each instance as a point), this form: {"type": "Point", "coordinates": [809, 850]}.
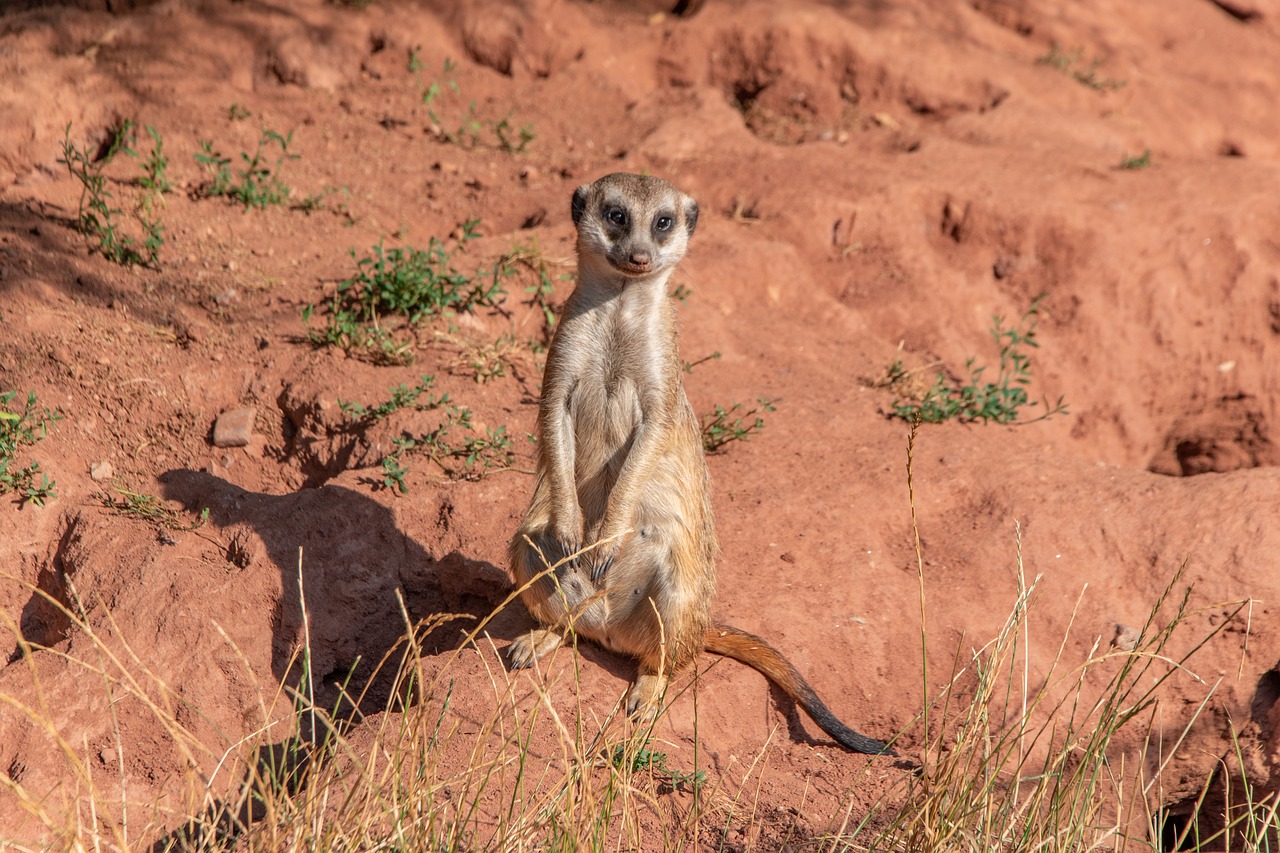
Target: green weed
{"type": "Point", "coordinates": [256, 184]}
{"type": "Point", "coordinates": [96, 217]}
{"type": "Point", "coordinates": [637, 759]}
{"type": "Point", "coordinates": [721, 427]}
{"type": "Point", "coordinates": [1142, 161]}
{"type": "Point", "coordinates": [472, 456]}
{"type": "Point", "coordinates": [681, 293]}
{"type": "Point", "coordinates": [238, 112]}
{"type": "Point", "coordinates": [407, 283]}
{"type": "Point", "coordinates": [402, 396]}
{"type": "Point", "coordinates": [690, 365]}
{"type": "Point", "coordinates": [1069, 63]}
{"type": "Point", "coordinates": [155, 167]}
{"type": "Point", "coordinates": [1001, 401]}
{"type": "Point", "coordinates": [18, 430]}
{"type": "Point", "coordinates": [472, 130]}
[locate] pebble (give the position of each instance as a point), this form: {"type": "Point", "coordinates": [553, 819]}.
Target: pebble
{"type": "Point", "coordinates": [234, 428]}
{"type": "Point", "coordinates": [101, 471]}
{"type": "Point", "coordinates": [1126, 637]}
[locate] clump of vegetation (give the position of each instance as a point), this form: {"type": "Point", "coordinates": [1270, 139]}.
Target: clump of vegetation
{"type": "Point", "coordinates": [402, 396]}
{"type": "Point", "coordinates": [1069, 63]}
{"type": "Point", "coordinates": [455, 445]}
{"type": "Point", "coordinates": [471, 456]}
{"type": "Point", "coordinates": [1001, 401]}
{"type": "Point", "coordinates": [405, 283]}
{"type": "Point", "coordinates": [20, 429]}
{"type": "Point", "coordinates": [1142, 161]}
{"type": "Point", "coordinates": [637, 758]}
{"type": "Point", "coordinates": [96, 218]}
{"type": "Point", "coordinates": [471, 130]}
{"type": "Point", "coordinates": [254, 184]}
{"type": "Point", "coordinates": [723, 426]}
{"type": "Point", "coordinates": [149, 508]}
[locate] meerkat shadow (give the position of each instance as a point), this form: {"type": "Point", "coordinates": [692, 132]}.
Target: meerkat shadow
{"type": "Point", "coordinates": [363, 581]}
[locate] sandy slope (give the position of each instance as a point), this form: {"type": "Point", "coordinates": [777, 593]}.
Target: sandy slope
{"type": "Point", "coordinates": [877, 180]}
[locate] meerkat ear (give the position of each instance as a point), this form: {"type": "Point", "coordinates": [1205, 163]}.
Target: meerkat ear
{"type": "Point", "coordinates": [690, 215]}
{"type": "Point", "coordinates": [579, 204]}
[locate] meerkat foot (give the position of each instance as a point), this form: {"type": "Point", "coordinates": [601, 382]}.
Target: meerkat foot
{"type": "Point", "coordinates": [526, 649]}
{"type": "Point", "coordinates": [644, 699]}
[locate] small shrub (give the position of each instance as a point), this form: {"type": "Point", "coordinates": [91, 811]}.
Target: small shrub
{"type": "Point", "coordinates": [402, 396]}
{"type": "Point", "coordinates": [1001, 401]}
{"type": "Point", "coordinates": [723, 426]}
{"type": "Point", "coordinates": [407, 283]}
{"type": "Point", "coordinates": [18, 430]}
{"type": "Point", "coordinates": [472, 130]}
{"type": "Point", "coordinates": [96, 218]}
{"type": "Point", "coordinates": [473, 457]}
{"type": "Point", "coordinates": [255, 185]}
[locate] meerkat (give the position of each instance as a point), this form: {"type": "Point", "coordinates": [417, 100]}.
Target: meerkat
{"type": "Point", "coordinates": [621, 469]}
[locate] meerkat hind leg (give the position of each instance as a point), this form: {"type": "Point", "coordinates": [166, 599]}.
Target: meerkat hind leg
{"type": "Point", "coordinates": [527, 648]}
{"type": "Point", "coordinates": [644, 699]}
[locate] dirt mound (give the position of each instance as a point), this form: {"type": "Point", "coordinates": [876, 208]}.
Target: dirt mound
{"type": "Point", "coordinates": [877, 183]}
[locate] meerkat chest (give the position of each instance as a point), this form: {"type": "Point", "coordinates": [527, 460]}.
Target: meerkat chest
{"type": "Point", "coordinates": [606, 401]}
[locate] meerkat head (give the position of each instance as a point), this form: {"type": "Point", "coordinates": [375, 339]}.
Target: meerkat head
{"type": "Point", "coordinates": [633, 225]}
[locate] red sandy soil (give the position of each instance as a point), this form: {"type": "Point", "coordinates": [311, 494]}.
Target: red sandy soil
{"type": "Point", "coordinates": [877, 180]}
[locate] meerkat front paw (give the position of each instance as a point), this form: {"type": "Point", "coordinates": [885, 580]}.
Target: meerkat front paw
{"type": "Point", "coordinates": [526, 649]}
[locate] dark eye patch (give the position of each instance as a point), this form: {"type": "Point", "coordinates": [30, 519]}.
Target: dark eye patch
{"type": "Point", "coordinates": [663, 222]}
{"type": "Point", "coordinates": [617, 216]}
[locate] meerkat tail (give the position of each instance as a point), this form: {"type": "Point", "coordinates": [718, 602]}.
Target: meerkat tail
{"type": "Point", "coordinates": [765, 659]}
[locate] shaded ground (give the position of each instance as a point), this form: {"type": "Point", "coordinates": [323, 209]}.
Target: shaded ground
{"type": "Point", "coordinates": [876, 180]}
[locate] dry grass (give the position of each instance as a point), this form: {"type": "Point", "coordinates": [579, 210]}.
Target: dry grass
{"type": "Point", "coordinates": [1008, 761]}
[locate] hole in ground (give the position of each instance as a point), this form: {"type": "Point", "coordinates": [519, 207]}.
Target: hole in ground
{"type": "Point", "coordinates": [1228, 434]}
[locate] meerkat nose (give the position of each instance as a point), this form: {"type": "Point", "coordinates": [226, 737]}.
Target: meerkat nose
{"type": "Point", "coordinates": [641, 258]}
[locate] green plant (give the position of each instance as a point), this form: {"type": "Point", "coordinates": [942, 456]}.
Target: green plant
{"type": "Point", "coordinates": [402, 396]}
{"type": "Point", "coordinates": [1000, 401]}
{"type": "Point", "coordinates": [18, 430]}
{"type": "Point", "coordinates": [155, 167]}
{"type": "Point", "coordinates": [430, 92]}
{"type": "Point", "coordinates": [690, 365]}
{"type": "Point", "coordinates": [635, 759]}
{"type": "Point", "coordinates": [149, 508]}
{"type": "Point", "coordinates": [473, 458]}
{"type": "Point", "coordinates": [1142, 161]}
{"type": "Point", "coordinates": [95, 215]}
{"type": "Point", "coordinates": [681, 293]}
{"type": "Point", "coordinates": [255, 185]}
{"type": "Point", "coordinates": [721, 427]}
{"type": "Point", "coordinates": [1068, 62]}
{"type": "Point", "coordinates": [400, 282]}
{"type": "Point", "coordinates": [238, 112]}
{"type": "Point", "coordinates": [472, 130]}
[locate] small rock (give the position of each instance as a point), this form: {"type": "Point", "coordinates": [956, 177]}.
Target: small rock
{"type": "Point", "coordinates": [1126, 637]}
{"type": "Point", "coordinates": [101, 471]}
{"type": "Point", "coordinates": [234, 428]}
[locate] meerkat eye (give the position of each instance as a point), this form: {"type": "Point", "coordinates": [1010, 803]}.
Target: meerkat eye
{"type": "Point", "coordinates": [616, 215]}
{"type": "Point", "coordinates": [663, 223]}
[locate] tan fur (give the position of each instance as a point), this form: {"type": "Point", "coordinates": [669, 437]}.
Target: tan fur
{"type": "Point", "coordinates": [620, 463]}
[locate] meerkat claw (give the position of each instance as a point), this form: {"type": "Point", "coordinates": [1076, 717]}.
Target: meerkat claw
{"type": "Point", "coordinates": [599, 569]}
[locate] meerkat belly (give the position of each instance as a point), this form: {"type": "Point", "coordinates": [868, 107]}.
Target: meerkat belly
{"type": "Point", "coordinates": [605, 415]}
